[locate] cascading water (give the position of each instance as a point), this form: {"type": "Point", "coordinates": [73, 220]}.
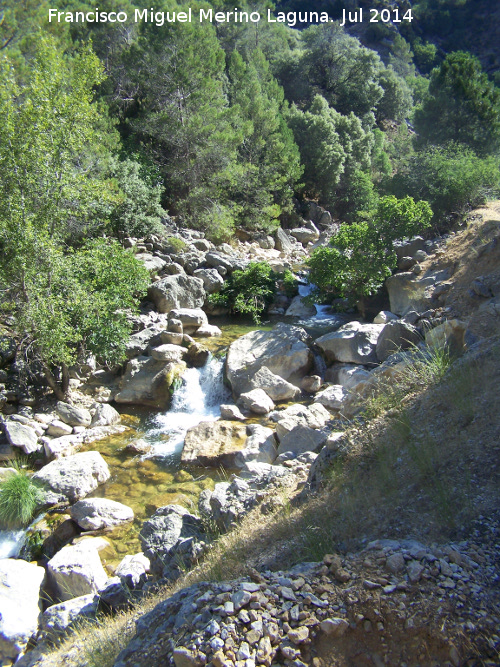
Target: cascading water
{"type": "Point", "coordinates": [11, 543]}
{"type": "Point", "coordinates": [324, 315]}
{"type": "Point", "coordinates": [197, 399]}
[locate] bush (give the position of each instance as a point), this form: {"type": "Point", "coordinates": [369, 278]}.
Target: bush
{"type": "Point", "coordinates": [19, 498]}
{"type": "Point", "coordinates": [451, 178]}
{"type": "Point", "coordinates": [361, 255]}
{"type": "Point", "coordinates": [251, 291]}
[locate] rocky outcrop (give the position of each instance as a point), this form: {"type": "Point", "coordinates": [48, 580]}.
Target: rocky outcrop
{"type": "Point", "coordinates": [177, 291]}
{"type": "Point", "coordinates": [213, 443]}
{"type": "Point", "coordinates": [147, 381]}
{"type": "Point", "coordinates": [100, 513]}
{"type": "Point", "coordinates": [76, 570]}
{"type": "Point", "coordinates": [20, 588]}
{"type": "Point", "coordinates": [283, 351]}
{"type": "Point", "coordinates": [172, 538]}
{"type": "Point", "coordinates": [353, 343]}
{"type": "Point", "coordinates": [229, 502]}
{"type": "Point", "coordinates": [73, 477]}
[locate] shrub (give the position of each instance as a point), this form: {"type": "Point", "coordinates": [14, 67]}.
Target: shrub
{"type": "Point", "coordinates": [361, 255]}
{"type": "Point", "coordinates": [251, 291]}
{"type": "Point", "coordinates": [176, 243]}
{"type": "Point", "coordinates": [19, 498]}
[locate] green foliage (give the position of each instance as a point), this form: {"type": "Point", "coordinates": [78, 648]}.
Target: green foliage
{"type": "Point", "coordinates": [77, 302]}
{"type": "Point", "coordinates": [19, 498]}
{"type": "Point", "coordinates": [462, 105]}
{"type": "Point", "coordinates": [250, 291]}
{"type": "Point", "coordinates": [425, 55]}
{"type": "Point", "coordinates": [269, 157]}
{"type": "Point", "coordinates": [452, 178]}
{"type": "Point", "coordinates": [139, 212]}
{"type": "Point", "coordinates": [177, 244]}
{"type": "Point", "coordinates": [361, 255]}
{"type": "Point", "coordinates": [334, 150]}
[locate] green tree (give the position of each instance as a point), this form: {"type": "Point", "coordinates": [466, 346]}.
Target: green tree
{"type": "Point", "coordinates": [461, 105]}
{"type": "Point", "coordinates": [361, 255]}
{"type": "Point", "coordinates": [268, 156]}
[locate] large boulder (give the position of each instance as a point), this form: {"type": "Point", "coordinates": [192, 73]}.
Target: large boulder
{"type": "Point", "coordinates": [407, 292]}
{"type": "Point", "coordinates": [178, 291]}
{"type": "Point", "coordinates": [213, 443]}
{"type": "Point", "coordinates": [147, 381]}
{"type": "Point", "coordinates": [73, 415]}
{"type": "Point", "coordinates": [275, 386]}
{"type": "Point", "coordinates": [347, 375]}
{"type": "Point", "coordinates": [216, 259]}
{"type": "Point", "coordinates": [58, 618]}
{"type": "Point", "coordinates": [283, 242]}
{"type": "Point", "coordinates": [283, 351]}
{"type": "Point", "coordinates": [100, 513]}
{"type": "Point", "coordinates": [172, 537]}
{"type": "Point", "coordinates": [73, 477]}
{"type": "Point", "coordinates": [151, 263]}
{"type": "Point", "coordinates": [168, 353]}
{"type": "Point", "coordinates": [76, 570]}
{"type": "Point", "coordinates": [305, 235]}
{"type": "Point", "coordinates": [20, 605]}
{"type": "Point", "coordinates": [450, 335]}
{"type": "Point", "coordinates": [212, 279]}
{"type": "Point", "coordinates": [353, 343]}
{"type": "Point", "coordinates": [302, 439]}
{"type": "Point", "coordinates": [313, 416]}
{"type": "Point", "coordinates": [394, 337]}
{"type": "Point", "coordinates": [22, 436]}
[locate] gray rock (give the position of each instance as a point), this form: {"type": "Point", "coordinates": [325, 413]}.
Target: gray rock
{"type": "Point", "coordinates": [22, 436]}
{"type": "Point", "coordinates": [352, 343]}
{"type": "Point", "coordinates": [191, 318]}
{"type": "Point", "coordinates": [100, 513]}
{"type": "Point", "coordinates": [213, 443]}
{"type": "Point", "coordinates": [450, 335]}
{"type": "Point", "coordinates": [73, 415]}
{"type": "Point", "coordinates": [347, 375]}
{"type": "Point", "coordinates": [302, 439]}
{"type": "Point", "coordinates": [76, 570]}
{"type": "Point", "coordinates": [300, 309]}
{"type": "Point", "coordinates": [178, 291]}
{"type": "Point", "coordinates": [212, 280]}
{"type": "Point", "coordinates": [334, 627]}
{"type": "Point", "coordinates": [283, 350]}
{"type": "Point", "coordinates": [259, 446]}
{"type": "Point", "coordinates": [152, 264]}
{"type": "Point", "coordinates": [168, 353]}
{"type": "Point", "coordinates": [133, 569]}
{"type": "Point", "coordinates": [20, 588]}
{"type": "Point", "coordinates": [332, 397]}
{"type": "Point", "coordinates": [215, 259]}
{"type": "Point", "coordinates": [58, 618]}
{"type": "Point", "coordinates": [283, 242]}
{"type": "Point", "coordinates": [147, 381]}
{"type": "Point", "coordinates": [138, 343]}
{"type": "Point", "coordinates": [171, 537]}
{"type": "Point", "coordinates": [172, 338]}
{"type": "Point", "coordinates": [311, 384]}
{"type": "Point", "coordinates": [304, 235]}
{"type": "Point", "coordinates": [257, 401]}
{"type": "Point", "coordinates": [384, 317]}
{"type": "Point", "coordinates": [406, 292]}
{"type": "Point", "coordinates": [58, 428]}
{"type": "Point", "coordinates": [394, 337]}
{"type": "Point", "coordinates": [275, 386]}
{"type": "Point", "coordinates": [231, 412]}
{"type": "Point", "coordinates": [208, 331]}
{"type": "Point", "coordinates": [409, 248]}
{"type": "Point", "coordinates": [105, 415]}
{"type": "Point", "coordinates": [73, 477]}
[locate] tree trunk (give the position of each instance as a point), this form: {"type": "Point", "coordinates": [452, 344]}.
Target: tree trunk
{"type": "Point", "coordinates": [60, 394]}
{"type": "Point", "coordinates": [65, 380]}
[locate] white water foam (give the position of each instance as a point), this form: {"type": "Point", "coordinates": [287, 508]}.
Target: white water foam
{"type": "Point", "coordinates": [197, 399]}
{"type": "Point", "coordinates": [11, 542]}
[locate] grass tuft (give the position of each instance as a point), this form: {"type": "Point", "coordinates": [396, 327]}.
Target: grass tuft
{"type": "Point", "coordinates": [19, 498]}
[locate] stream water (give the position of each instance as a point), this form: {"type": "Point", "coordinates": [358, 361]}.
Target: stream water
{"type": "Point", "coordinates": [150, 481]}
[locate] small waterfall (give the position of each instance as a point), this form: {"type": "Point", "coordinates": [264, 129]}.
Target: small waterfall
{"type": "Point", "coordinates": [11, 543]}
{"type": "Point", "coordinates": [197, 399]}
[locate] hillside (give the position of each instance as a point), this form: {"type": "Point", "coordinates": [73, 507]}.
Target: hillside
{"type": "Point", "coordinates": [404, 522]}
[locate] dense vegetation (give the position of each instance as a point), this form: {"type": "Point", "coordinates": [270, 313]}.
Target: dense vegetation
{"type": "Point", "coordinates": [107, 128]}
